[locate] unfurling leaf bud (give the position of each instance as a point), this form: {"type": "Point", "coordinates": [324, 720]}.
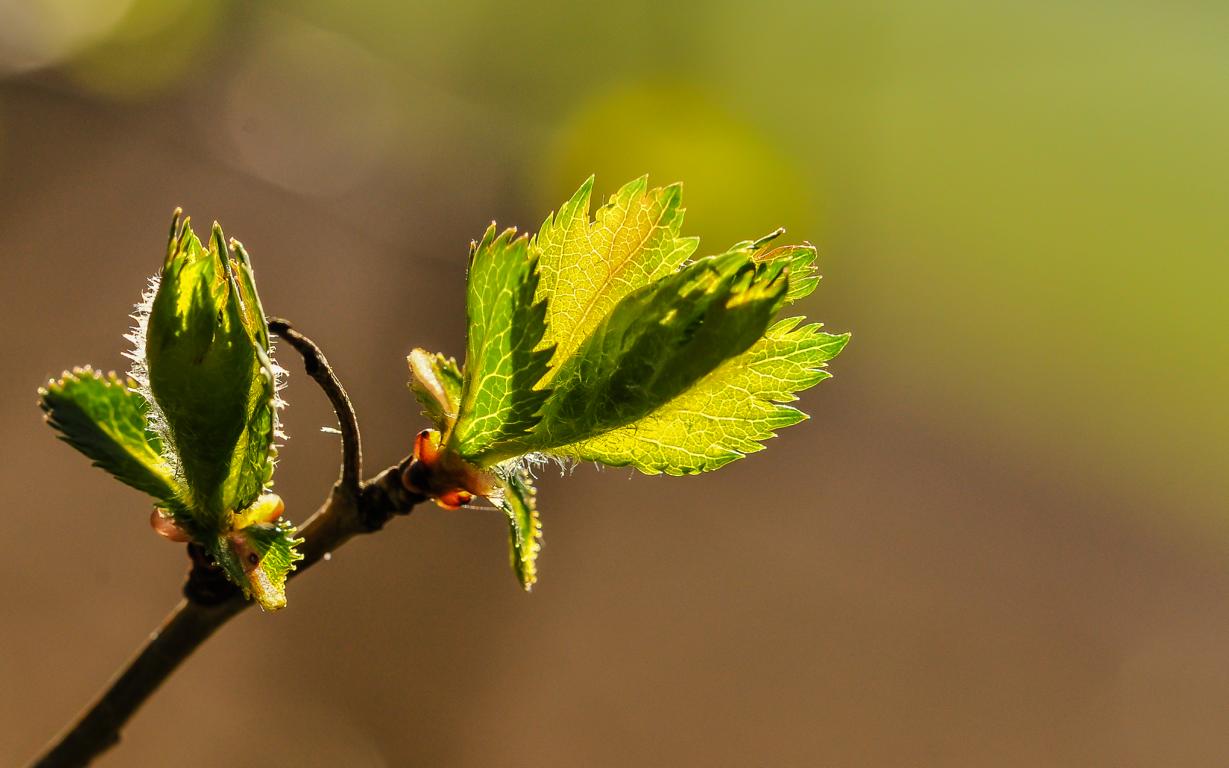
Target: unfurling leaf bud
{"type": "Point", "coordinates": [209, 372]}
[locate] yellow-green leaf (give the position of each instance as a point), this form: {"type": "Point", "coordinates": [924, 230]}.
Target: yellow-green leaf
{"type": "Point", "coordinates": [589, 266]}
{"type": "Point", "coordinates": [726, 414]}
{"type": "Point", "coordinates": [657, 343]}
{"type": "Point", "coordinates": [731, 411]}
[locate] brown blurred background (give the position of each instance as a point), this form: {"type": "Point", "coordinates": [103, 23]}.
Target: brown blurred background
{"type": "Point", "coordinates": [1002, 541]}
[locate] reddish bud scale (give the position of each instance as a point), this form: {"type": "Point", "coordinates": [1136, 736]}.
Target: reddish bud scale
{"type": "Point", "coordinates": [442, 476]}
{"type": "Point", "coordinates": [164, 526]}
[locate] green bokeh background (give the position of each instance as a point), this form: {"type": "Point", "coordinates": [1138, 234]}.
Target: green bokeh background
{"type": "Point", "coordinates": [1021, 214]}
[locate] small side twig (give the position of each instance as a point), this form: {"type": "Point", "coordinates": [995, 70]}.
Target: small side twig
{"type": "Point", "coordinates": [210, 601]}
{"type": "Point", "coordinates": [317, 366]}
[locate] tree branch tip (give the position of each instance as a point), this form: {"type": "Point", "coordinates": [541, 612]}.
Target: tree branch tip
{"type": "Point", "coordinates": [318, 368]}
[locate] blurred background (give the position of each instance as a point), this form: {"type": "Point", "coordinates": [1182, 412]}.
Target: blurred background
{"type": "Point", "coordinates": [1002, 540]}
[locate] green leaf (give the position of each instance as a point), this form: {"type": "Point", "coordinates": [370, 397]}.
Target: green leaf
{"type": "Point", "coordinates": [518, 500]}
{"type": "Point", "coordinates": [728, 413]}
{"type": "Point", "coordinates": [206, 356]}
{"type": "Point", "coordinates": [658, 342]}
{"type": "Point", "coordinates": [436, 382]}
{"type": "Point", "coordinates": [590, 266]}
{"type": "Point", "coordinates": [259, 559]}
{"type": "Point", "coordinates": [253, 311]}
{"type": "Point", "coordinates": [504, 360]}
{"type": "Point", "coordinates": [251, 469]}
{"type": "Point", "coordinates": [104, 418]}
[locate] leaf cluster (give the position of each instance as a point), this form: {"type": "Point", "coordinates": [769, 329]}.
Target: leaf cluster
{"type": "Point", "coordinates": [194, 427]}
{"type": "Point", "coordinates": [604, 339]}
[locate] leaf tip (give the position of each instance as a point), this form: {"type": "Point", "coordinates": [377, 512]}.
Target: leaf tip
{"type": "Point", "coordinates": [218, 240]}
{"type": "Point", "coordinates": [176, 221]}
{"type": "Point", "coordinates": [768, 238]}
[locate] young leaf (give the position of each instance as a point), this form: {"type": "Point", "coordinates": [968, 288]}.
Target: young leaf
{"type": "Point", "coordinates": [259, 559]}
{"type": "Point", "coordinates": [103, 417]}
{"type": "Point", "coordinates": [518, 500]}
{"type": "Point", "coordinates": [799, 261]}
{"type": "Point", "coordinates": [504, 361]}
{"type": "Point", "coordinates": [251, 469]}
{"type": "Point", "coordinates": [590, 266]}
{"type": "Point", "coordinates": [251, 465]}
{"type": "Point", "coordinates": [729, 412]}
{"type": "Point", "coordinates": [726, 414]}
{"type": "Point", "coordinates": [656, 343]}
{"type": "Point", "coordinates": [436, 382]}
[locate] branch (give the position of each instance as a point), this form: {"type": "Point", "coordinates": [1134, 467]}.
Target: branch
{"type": "Point", "coordinates": [318, 368]}
{"type": "Point", "coordinates": [210, 600]}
